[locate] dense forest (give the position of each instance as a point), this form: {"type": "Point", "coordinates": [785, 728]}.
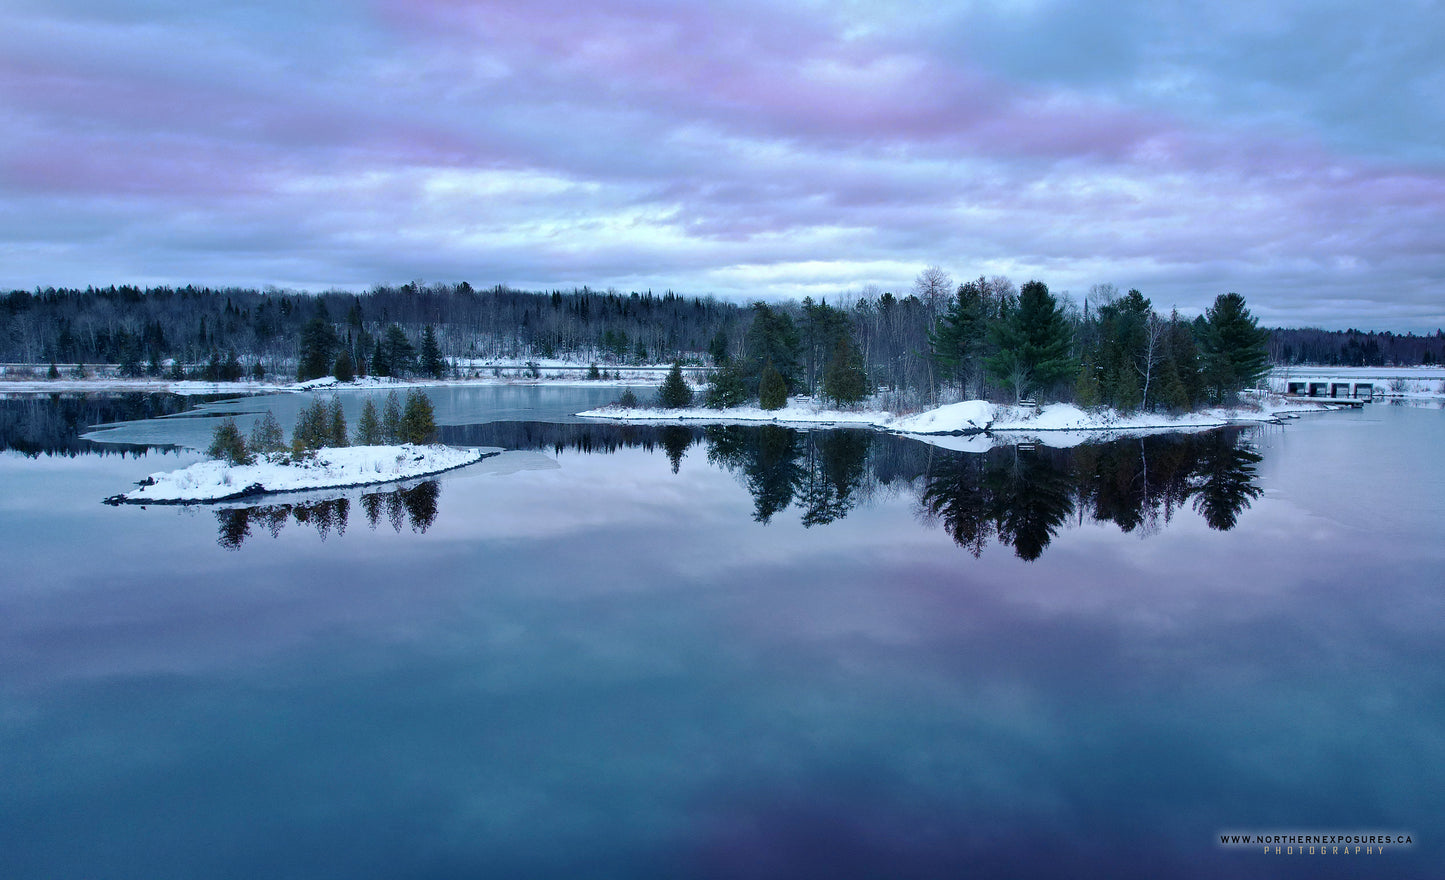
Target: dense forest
{"type": "Point", "coordinates": [940, 341]}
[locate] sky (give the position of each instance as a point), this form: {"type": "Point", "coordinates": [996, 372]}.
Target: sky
{"type": "Point", "coordinates": [1288, 151]}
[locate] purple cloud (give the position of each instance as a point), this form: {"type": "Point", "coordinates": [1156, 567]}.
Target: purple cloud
{"type": "Point", "coordinates": [734, 148]}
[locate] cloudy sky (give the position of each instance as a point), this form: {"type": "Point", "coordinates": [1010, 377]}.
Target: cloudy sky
{"type": "Point", "coordinates": [1293, 152]}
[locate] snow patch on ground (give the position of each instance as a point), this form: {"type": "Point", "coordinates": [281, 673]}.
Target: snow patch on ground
{"type": "Point", "coordinates": [972, 417]}
{"type": "Point", "coordinates": [329, 468]}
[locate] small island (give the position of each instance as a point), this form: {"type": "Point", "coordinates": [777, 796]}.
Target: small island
{"type": "Point", "coordinates": [389, 446]}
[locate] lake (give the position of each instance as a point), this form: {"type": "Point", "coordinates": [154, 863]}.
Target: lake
{"type": "Point", "coordinates": [675, 652]}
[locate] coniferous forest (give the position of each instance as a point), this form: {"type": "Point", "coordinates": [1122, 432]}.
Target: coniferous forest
{"type": "Point", "coordinates": [982, 338]}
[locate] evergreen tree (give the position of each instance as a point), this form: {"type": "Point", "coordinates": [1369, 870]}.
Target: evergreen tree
{"type": "Point", "coordinates": [628, 400]}
{"type": "Point", "coordinates": [772, 388]}
{"type": "Point", "coordinates": [313, 428]}
{"type": "Point", "coordinates": [418, 422]}
{"type": "Point", "coordinates": [1086, 386]}
{"type": "Point", "coordinates": [53, 372]}
{"type": "Point", "coordinates": [957, 340]}
{"type": "Point", "coordinates": [336, 434]}
{"type": "Point", "coordinates": [593, 373]}
{"type": "Point", "coordinates": [400, 354]}
{"type": "Point", "coordinates": [1033, 343]}
{"type": "Point", "coordinates": [675, 393]}
{"type": "Point", "coordinates": [391, 418]}
{"type": "Point", "coordinates": [726, 386]}
{"type": "Point", "coordinates": [1234, 347]}
{"type": "Point", "coordinates": [318, 343]}
{"type": "Point", "coordinates": [266, 435]}
{"type": "Point", "coordinates": [368, 427]}
{"type": "Point", "coordinates": [773, 340]}
{"type": "Point", "coordinates": [228, 444]}
{"type": "Point", "coordinates": [380, 366]}
{"type": "Point", "coordinates": [432, 362]}
{"type": "Point", "coordinates": [344, 370]}
{"type": "Point", "coordinates": [844, 379]}
{"type": "Point", "coordinates": [258, 372]}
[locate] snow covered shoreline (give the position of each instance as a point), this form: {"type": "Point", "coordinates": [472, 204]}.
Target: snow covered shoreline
{"type": "Point", "coordinates": [329, 468]}
{"type": "Point", "coordinates": [969, 417]}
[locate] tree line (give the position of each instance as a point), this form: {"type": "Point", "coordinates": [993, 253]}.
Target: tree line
{"type": "Point", "coordinates": [322, 424]}
{"type": "Point", "coordinates": [985, 338]}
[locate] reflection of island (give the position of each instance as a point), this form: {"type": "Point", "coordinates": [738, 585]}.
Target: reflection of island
{"type": "Point", "coordinates": [416, 506]}
{"type": "Point", "coordinates": [1020, 496]}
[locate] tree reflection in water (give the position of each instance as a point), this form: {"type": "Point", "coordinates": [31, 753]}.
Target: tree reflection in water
{"type": "Point", "coordinates": [1019, 496]}
{"type": "Point", "coordinates": [416, 506]}
{"type": "Point", "coordinates": [1023, 496]}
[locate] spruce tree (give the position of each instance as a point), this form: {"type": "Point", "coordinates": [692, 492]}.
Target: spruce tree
{"type": "Point", "coordinates": [1033, 343]}
{"type": "Point", "coordinates": [772, 388]}
{"type": "Point", "coordinates": [228, 444]}
{"type": "Point", "coordinates": [336, 434]}
{"type": "Point", "coordinates": [844, 379]}
{"type": "Point", "coordinates": [368, 427]}
{"type": "Point", "coordinates": [344, 369]}
{"type": "Point", "coordinates": [956, 342]}
{"type": "Point", "coordinates": [266, 435]}
{"type": "Point", "coordinates": [391, 418]}
{"type": "Point", "coordinates": [318, 341]}
{"type": "Point", "coordinates": [432, 362]}
{"type": "Point", "coordinates": [1234, 347]}
{"type": "Point", "coordinates": [313, 428]}
{"type": "Point", "coordinates": [675, 392]}
{"type": "Point", "coordinates": [726, 387]}
{"type": "Point", "coordinates": [418, 422]}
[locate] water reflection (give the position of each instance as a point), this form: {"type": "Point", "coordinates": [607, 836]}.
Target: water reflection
{"type": "Point", "coordinates": [1018, 495]}
{"type": "Point", "coordinates": [415, 506]}
{"type": "Point", "coordinates": [51, 424]}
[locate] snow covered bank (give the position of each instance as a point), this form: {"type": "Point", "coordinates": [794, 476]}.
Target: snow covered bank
{"type": "Point", "coordinates": [968, 417]}
{"type": "Point", "coordinates": [330, 468]}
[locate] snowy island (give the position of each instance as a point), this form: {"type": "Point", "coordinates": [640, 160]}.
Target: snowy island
{"type": "Point", "coordinates": [328, 468]}
{"type": "Point", "coordinates": [970, 417]}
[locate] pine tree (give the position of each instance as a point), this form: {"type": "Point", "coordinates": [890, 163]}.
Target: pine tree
{"type": "Point", "coordinates": [266, 435]}
{"type": "Point", "coordinates": [336, 434]}
{"type": "Point", "coordinates": [726, 386]}
{"type": "Point", "coordinates": [1086, 386]}
{"type": "Point", "coordinates": [1033, 343]}
{"type": "Point", "coordinates": [399, 352]}
{"type": "Point", "coordinates": [313, 428]}
{"type": "Point", "coordinates": [957, 340]}
{"type": "Point", "coordinates": [1235, 352]}
{"type": "Point", "coordinates": [53, 372]}
{"type": "Point", "coordinates": [432, 362]}
{"type": "Point", "coordinates": [772, 388]}
{"type": "Point", "coordinates": [228, 444]}
{"type": "Point", "coordinates": [391, 418]}
{"type": "Point", "coordinates": [368, 427]}
{"type": "Point", "coordinates": [418, 422]}
{"type": "Point", "coordinates": [344, 370]}
{"type": "Point", "coordinates": [318, 341]}
{"type": "Point", "coordinates": [844, 379]}
{"type": "Point", "coordinates": [675, 392]}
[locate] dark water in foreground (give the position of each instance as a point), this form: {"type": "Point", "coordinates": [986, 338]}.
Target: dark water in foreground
{"type": "Point", "coordinates": [658, 652]}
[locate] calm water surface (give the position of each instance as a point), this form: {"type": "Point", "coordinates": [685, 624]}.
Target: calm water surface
{"type": "Point", "coordinates": [654, 652]}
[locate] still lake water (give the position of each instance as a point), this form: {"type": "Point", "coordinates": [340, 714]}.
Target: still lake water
{"type": "Point", "coordinates": [689, 652]}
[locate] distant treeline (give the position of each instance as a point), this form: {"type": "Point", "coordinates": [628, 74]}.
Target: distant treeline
{"type": "Point", "coordinates": [1355, 348]}
{"type": "Point", "coordinates": [982, 338]}
{"type": "Point", "coordinates": [141, 328]}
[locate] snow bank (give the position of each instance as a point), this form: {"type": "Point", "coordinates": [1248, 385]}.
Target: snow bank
{"type": "Point", "coordinates": [329, 469]}
{"type": "Point", "coordinates": [969, 417]}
